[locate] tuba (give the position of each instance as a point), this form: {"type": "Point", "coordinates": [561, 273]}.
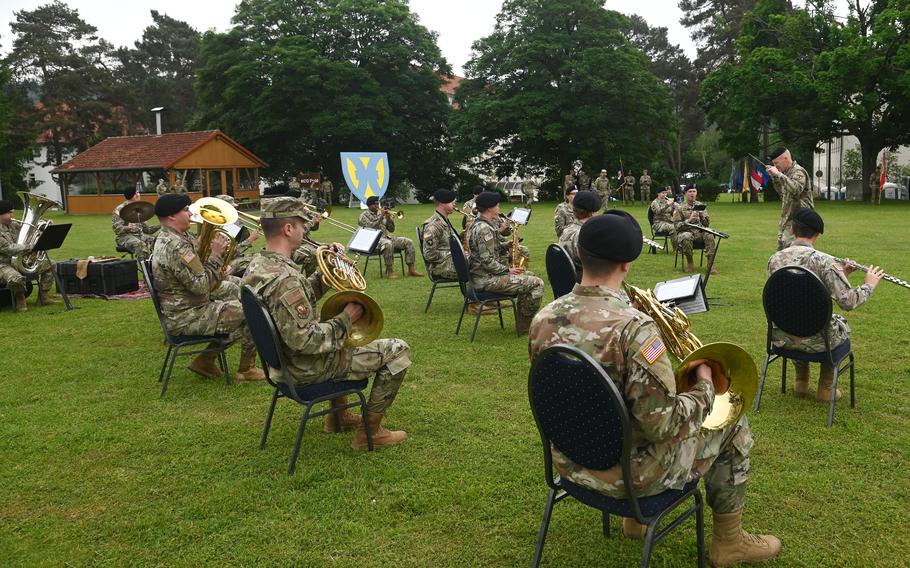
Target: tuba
{"type": "Point", "coordinates": [739, 367]}
{"type": "Point", "coordinates": [33, 207]}
{"type": "Point", "coordinates": [340, 272]}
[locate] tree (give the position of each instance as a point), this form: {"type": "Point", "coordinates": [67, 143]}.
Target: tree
{"type": "Point", "coordinates": [16, 139]}
{"type": "Point", "coordinates": [299, 81]}
{"type": "Point", "coordinates": [715, 26]}
{"type": "Point", "coordinates": [557, 81]}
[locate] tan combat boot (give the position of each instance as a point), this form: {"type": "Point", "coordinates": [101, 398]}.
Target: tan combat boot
{"type": "Point", "coordinates": [413, 271]}
{"type": "Point", "coordinates": [21, 305]}
{"type": "Point", "coordinates": [825, 382]}
{"type": "Point", "coordinates": [382, 437]}
{"type": "Point", "coordinates": [732, 545]}
{"type": "Point", "coordinates": [46, 298]}
{"type": "Point", "coordinates": [390, 273]}
{"type": "Point", "coordinates": [204, 364]}
{"type": "Point", "coordinates": [633, 529]}
{"type": "Point", "coordinates": [247, 370]}
{"type": "Point", "coordinates": [348, 419]}
{"type": "Point", "coordinates": [801, 382]}
{"type": "Point", "coordinates": [690, 265]}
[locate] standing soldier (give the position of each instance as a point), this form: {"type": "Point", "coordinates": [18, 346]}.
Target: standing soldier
{"type": "Point", "coordinates": [663, 207]}
{"type": "Point", "coordinates": [161, 188]}
{"type": "Point", "coordinates": [645, 184]}
{"type": "Point", "coordinates": [602, 186]}
{"type": "Point", "coordinates": [436, 232]}
{"type": "Point", "coordinates": [389, 244]}
{"type": "Point", "coordinates": [134, 237]}
{"type": "Point", "coordinates": [327, 189]}
{"type": "Point", "coordinates": [875, 196]}
{"type": "Point", "coordinates": [180, 184]}
{"type": "Point", "coordinates": [584, 180]}
{"type": "Point", "coordinates": [568, 182]}
{"type": "Point", "coordinates": [628, 192]}
{"type": "Point", "coordinates": [794, 186]}
{"type": "Point", "coordinates": [10, 276]}
{"type": "Point", "coordinates": [685, 212]}
{"type": "Point", "coordinates": [564, 216]}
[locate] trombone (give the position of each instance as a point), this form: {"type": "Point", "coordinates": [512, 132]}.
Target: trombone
{"type": "Point", "coordinates": [324, 216]}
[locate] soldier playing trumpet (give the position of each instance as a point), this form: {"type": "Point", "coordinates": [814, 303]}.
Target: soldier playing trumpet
{"type": "Point", "coordinates": [389, 244]}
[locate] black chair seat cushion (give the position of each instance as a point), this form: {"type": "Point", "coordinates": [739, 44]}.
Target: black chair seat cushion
{"type": "Point", "coordinates": [838, 353]}
{"type": "Point", "coordinates": [122, 249]}
{"type": "Point", "coordinates": [483, 296]}
{"type": "Point", "coordinates": [183, 339]}
{"type": "Point", "coordinates": [319, 390]}
{"type": "Point", "coordinates": [650, 506]}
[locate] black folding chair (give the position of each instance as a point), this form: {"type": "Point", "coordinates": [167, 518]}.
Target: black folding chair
{"type": "Point", "coordinates": [378, 255]}
{"type": "Point", "coordinates": [798, 303]}
{"type": "Point", "coordinates": [268, 344]}
{"type": "Point", "coordinates": [579, 410]}
{"type": "Point", "coordinates": [440, 282]}
{"type": "Point", "coordinates": [696, 245]}
{"type": "Point", "coordinates": [560, 271]}
{"type": "Point", "coordinates": [665, 235]}
{"type": "Point", "coordinates": [177, 343]}
{"type": "Point", "coordinates": [472, 296]}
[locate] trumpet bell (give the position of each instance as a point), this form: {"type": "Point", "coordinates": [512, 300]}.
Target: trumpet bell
{"type": "Point", "coordinates": [367, 328]}
{"type": "Point", "coordinates": [740, 369]}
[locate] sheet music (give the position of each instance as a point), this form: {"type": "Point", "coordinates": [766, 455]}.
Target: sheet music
{"type": "Point", "coordinates": [364, 239]}
{"type": "Point", "coordinates": [684, 293]}
{"type": "Point", "coordinates": [520, 215]}
{"type": "Point", "coordinates": [233, 230]}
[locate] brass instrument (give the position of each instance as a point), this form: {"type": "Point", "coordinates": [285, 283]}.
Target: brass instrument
{"type": "Point", "coordinates": [467, 227]}
{"type": "Point", "coordinates": [33, 207]}
{"type": "Point", "coordinates": [737, 365]}
{"type": "Point", "coordinates": [324, 216]}
{"type": "Point", "coordinates": [862, 268]}
{"type": "Point", "coordinates": [213, 215]}
{"type": "Point", "coordinates": [389, 212]}
{"type": "Point", "coordinates": [652, 243]}
{"type": "Point", "coordinates": [340, 272]}
{"type": "Point", "coordinates": [518, 259]}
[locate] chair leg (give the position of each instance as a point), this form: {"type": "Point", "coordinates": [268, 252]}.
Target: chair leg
{"type": "Point", "coordinates": [430, 300]}
{"type": "Point", "coordinates": [833, 398]}
{"type": "Point", "coordinates": [464, 308]}
{"type": "Point", "coordinates": [167, 358]}
{"type": "Point", "coordinates": [515, 317]}
{"type": "Point", "coordinates": [605, 523]}
{"type": "Point", "coordinates": [477, 320]}
{"type": "Point", "coordinates": [700, 528]}
{"type": "Point", "coordinates": [306, 416]}
{"type": "Point", "coordinates": [544, 525]}
{"type": "Point", "coordinates": [502, 324]}
{"type": "Point", "coordinates": [335, 419]}
{"type": "Point", "coordinates": [268, 420]}
{"type": "Point", "coordinates": [366, 423]}
{"type": "Point", "coordinates": [170, 369]}
{"type": "Point", "coordinates": [401, 258]}
{"type": "Point", "coordinates": [222, 358]}
{"type": "Point", "coordinates": [761, 384]}
{"type": "Point", "coordinates": [852, 382]}
{"type": "Point", "coordinates": [783, 376]}
{"type": "Point", "coordinates": [649, 544]}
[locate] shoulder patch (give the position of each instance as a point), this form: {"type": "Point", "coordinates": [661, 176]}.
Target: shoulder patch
{"type": "Point", "coordinates": [293, 296]}
{"type": "Point", "coordinates": [187, 256]}
{"type": "Point", "coordinates": [653, 350]}
{"type": "Point", "coordinates": [488, 237]}
{"type": "Point", "coordinates": [192, 261]}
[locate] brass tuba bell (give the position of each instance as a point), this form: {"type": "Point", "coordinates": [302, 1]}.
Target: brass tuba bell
{"type": "Point", "coordinates": [32, 226]}
{"type": "Point", "coordinates": [340, 272]}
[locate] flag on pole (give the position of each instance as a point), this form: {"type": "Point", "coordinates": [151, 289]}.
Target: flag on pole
{"type": "Point", "coordinates": [884, 178]}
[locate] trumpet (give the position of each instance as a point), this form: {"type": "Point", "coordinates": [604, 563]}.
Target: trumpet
{"type": "Point", "coordinates": [862, 268]}
{"type": "Point", "coordinates": [388, 212]}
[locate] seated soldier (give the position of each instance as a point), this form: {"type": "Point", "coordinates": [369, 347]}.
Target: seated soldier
{"type": "Point", "coordinates": [376, 218]}
{"type": "Point", "coordinates": [245, 240]}
{"type": "Point", "coordinates": [806, 226]}
{"type": "Point", "coordinates": [663, 207]}
{"type": "Point", "coordinates": [563, 217]}
{"type": "Point", "coordinates": [490, 273]}
{"type": "Point", "coordinates": [685, 236]}
{"type": "Point", "coordinates": [9, 275]}
{"type": "Point", "coordinates": [315, 350]}
{"type": "Point", "coordinates": [134, 237]}
{"type": "Point", "coordinates": [585, 205]}
{"type": "Point", "coordinates": [669, 446]}
{"type": "Point", "coordinates": [186, 287]}
{"type": "Point", "coordinates": [436, 232]}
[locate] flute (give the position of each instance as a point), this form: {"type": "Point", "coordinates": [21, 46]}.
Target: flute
{"type": "Point", "coordinates": [857, 266]}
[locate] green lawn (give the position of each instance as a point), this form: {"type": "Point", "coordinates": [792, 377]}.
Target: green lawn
{"type": "Point", "coordinates": [97, 470]}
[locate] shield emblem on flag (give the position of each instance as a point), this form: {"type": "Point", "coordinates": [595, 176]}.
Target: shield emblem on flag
{"type": "Point", "coordinates": [366, 173]}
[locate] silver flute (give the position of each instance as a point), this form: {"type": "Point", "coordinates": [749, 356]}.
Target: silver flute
{"type": "Point", "coordinates": [861, 268]}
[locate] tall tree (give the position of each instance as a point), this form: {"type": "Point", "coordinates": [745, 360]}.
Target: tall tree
{"type": "Point", "coordinates": [298, 81]}
{"type": "Point", "coordinates": [715, 27]}
{"type": "Point", "coordinates": [558, 81]}
{"type": "Point", "coordinates": [16, 139]}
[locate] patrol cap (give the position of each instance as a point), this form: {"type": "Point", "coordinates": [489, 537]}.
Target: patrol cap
{"type": "Point", "coordinates": [777, 153]}
{"type": "Point", "coordinates": [486, 200]}
{"type": "Point", "coordinates": [227, 198]}
{"type": "Point", "coordinates": [809, 218]}
{"type": "Point", "coordinates": [282, 207]}
{"type": "Point", "coordinates": [372, 199]}
{"type": "Point", "coordinates": [444, 196]}
{"type": "Point", "coordinates": [614, 236]}
{"type": "Point", "coordinates": [587, 201]}
{"type": "Point", "coordinates": [603, 171]}
{"type": "Point", "coordinates": [129, 192]}
{"type": "Point", "coordinates": [5, 206]}
{"type": "Point", "coordinates": [171, 203]}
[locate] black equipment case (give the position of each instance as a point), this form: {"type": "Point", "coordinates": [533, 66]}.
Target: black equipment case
{"type": "Point", "coordinates": [104, 278]}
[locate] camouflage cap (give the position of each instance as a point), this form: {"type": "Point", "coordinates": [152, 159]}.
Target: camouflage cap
{"type": "Point", "coordinates": [227, 198]}
{"type": "Point", "coordinates": [281, 207]}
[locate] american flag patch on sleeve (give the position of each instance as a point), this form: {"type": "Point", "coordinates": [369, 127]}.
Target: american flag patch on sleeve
{"type": "Point", "coordinates": [653, 350]}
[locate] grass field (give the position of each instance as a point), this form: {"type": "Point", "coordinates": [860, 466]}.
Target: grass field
{"type": "Point", "coordinates": [97, 470]}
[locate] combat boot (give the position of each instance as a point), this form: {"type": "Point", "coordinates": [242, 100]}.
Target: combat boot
{"type": "Point", "coordinates": [390, 273]}
{"type": "Point", "coordinates": [21, 305]}
{"type": "Point", "coordinates": [711, 262]}
{"type": "Point", "coordinates": [46, 297]}
{"type": "Point", "coordinates": [801, 382]}
{"type": "Point", "coordinates": [825, 382]}
{"type": "Point", "coordinates": [413, 271]}
{"type": "Point", "coordinates": [247, 370]}
{"type": "Point", "coordinates": [633, 529]}
{"type": "Point", "coordinates": [382, 437]}
{"type": "Point", "coordinates": [523, 324]}
{"type": "Point", "coordinates": [690, 265]}
{"type": "Point", "coordinates": [348, 419]}
{"type": "Point", "coordinates": [732, 545]}
{"type": "Point", "coordinates": [204, 364]}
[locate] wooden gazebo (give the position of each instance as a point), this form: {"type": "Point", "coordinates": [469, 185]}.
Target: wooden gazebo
{"type": "Point", "coordinates": [208, 163]}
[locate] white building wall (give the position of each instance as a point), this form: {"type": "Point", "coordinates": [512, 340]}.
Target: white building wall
{"type": "Point", "coordinates": [839, 147]}
{"type": "Point", "coordinates": [39, 178]}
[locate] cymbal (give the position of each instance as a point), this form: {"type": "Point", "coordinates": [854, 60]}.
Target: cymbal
{"type": "Point", "coordinates": [137, 212]}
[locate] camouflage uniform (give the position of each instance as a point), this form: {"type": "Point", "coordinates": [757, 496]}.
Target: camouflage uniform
{"type": "Point", "coordinates": [505, 243]}
{"type": "Point", "coordinates": [327, 189]}
{"type": "Point", "coordinates": [669, 447]}
{"type": "Point", "coordinates": [563, 217]}
{"type": "Point", "coordinates": [602, 186]}
{"type": "Point", "coordinates": [645, 184]}
{"type": "Point", "coordinates": [186, 286]}
{"type": "Point", "coordinates": [180, 186]}
{"type": "Point", "coordinates": [795, 190]}
{"type": "Point", "coordinates": [161, 188]}
{"type": "Point", "coordinates": [684, 236]}
{"type": "Point", "coordinates": [663, 215]}
{"type": "Point", "coordinates": [568, 183]}
{"type": "Point", "coordinates": [314, 350]}
{"type": "Point", "coordinates": [569, 242]}
{"type": "Point", "coordinates": [584, 181]}
{"type": "Point", "coordinates": [9, 276]}
{"type": "Point", "coordinates": [388, 243]}
{"type": "Point", "coordinates": [436, 251]}
{"type": "Point", "coordinates": [489, 273]}
{"type": "Point", "coordinates": [628, 189]}
{"type": "Point", "coordinates": [875, 196]}
{"type": "Point", "coordinates": [134, 237]}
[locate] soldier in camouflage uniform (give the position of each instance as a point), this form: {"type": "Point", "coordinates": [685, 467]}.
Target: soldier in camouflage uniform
{"type": "Point", "coordinates": [186, 286]}
{"type": "Point", "coordinates": [875, 180]}
{"type": "Point", "coordinates": [793, 184]}
{"type": "Point", "coordinates": [584, 180]}
{"type": "Point", "coordinates": [180, 184]}
{"type": "Point", "coordinates": [669, 447]}
{"type": "Point", "coordinates": [806, 226]}
{"type": "Point", "coordinates": [585, 205]}
{"type": "Point", "coordinates": [436, 232]}
{"type": "Point", "coordinates": [315, 351]}
{"type": "Point", "coordinates": [9, 276]}
{"type": "Point", "coordinates": [644, 183]}
{"type": "Point", "coordinates": [663, 207]}
{"type": "Point", "coordinates": [563, 217]}
{"type": "Point", "coordinates": [602, 186]}
{"type": "Point", "coordinates": [374, 218]}
{"type": "Point", "coordinates": [161, 188]}
{"type": "Point", "coordinates": [134, 237]}
{"type": "Point", "coordinates": [490, 273]}
{"type": "Point", "coordinates": [568, 182]}
{"type": "Point", "coordinates": [628, 189]}
{"type": "Point", "coordinates": [327, 188]}
{"type": "Point", "coordinates": [685, 236]}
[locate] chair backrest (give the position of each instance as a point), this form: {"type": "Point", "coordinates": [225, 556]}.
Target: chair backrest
{"type": "Point", "coordinates": [560, 270]}
{"type": "Point", "coordinates": [147, 276]}
{"type": "Point", "coordinates": [460, 261]}
{"type": "Point", "coordinates": [796, 301]}
{"type": "Point", "coordinates": [578, 408]}
{"type": "Point", "coordinates": [264, 332]}
{"type": "Point", "coordinates": [650, 218]}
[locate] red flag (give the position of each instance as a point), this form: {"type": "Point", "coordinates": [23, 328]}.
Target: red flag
{"type": "Point", "coordinates": [884, 178]}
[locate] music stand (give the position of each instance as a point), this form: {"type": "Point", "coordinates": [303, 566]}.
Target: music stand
{"type": "Point", "coordinates": [686, 293]}
{"type": "Point", "coordinates": [520, 215]}
{"type": "Point", "coordinates": [364, 240]}
{"type": "Point", "coordinates": [52, 238]}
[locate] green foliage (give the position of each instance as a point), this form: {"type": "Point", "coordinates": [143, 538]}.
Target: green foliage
{"type": "Point", "coordinates": [16, 138]}
{"type": "Point", "coordinates": [715, 26]}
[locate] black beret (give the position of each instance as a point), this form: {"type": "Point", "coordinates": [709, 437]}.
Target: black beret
{"type": "Point", "coordinates": [809, 218]}
{"type": "Point", "coordinates": [587, 201]}
{"type": "Point", "coordinates": [777, 153]}
{"type": "Point", "coordinates": [478, 189]}
{"type": "Point", "coordinates": [444, 196]}
{"type": "Point", "coordinates": [614, 236]}
{"type": "Point", "coordinates": [690, 186]}
{"type": "Point", "coordinates": [171, 203]}
{"type": "Point", "coordinates": [129, 192]}
{"type": "Point", "coordinates": [372, 199]}
{"type": "Point", "coordinates": [486, 200]}
{"type": "Point", "coordinates": [5, 206]}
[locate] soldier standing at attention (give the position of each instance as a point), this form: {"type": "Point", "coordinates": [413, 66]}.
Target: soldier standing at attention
{"type": "Point", "coordinates": [807, 225]}
{"type": "Point", "coordinates": [134, 237]}
{"type": "Point", "coordinates": [645, 183]}
{"type": "Point", "coordinates": [875, 196]}
{"type": "Point", "coordinates": [489, 273]}
{"type": "Point", "coordinates": [563, 216]}
{"type": "Point", "coordinates": [314, 350]}
{"type": "Point", "coordinates": [161, 188]}
{"type": "Point", "coordinates": [568, 182]}
{"type": "Point", "coordinates": [585, 205]}
{"type": "Point", "coordinates": [669, 447]}
{"type": "Point", "coordinates": [9, 234]}
{"type": "Point", "coordinates": [436, 232]}
{"type": "Point", "coordinates": [376, 218]}
{"type": "Point", "coordinates": [794, 186]}
{"type": "Point", "coordinates": [327, 189]}
{"type": "Point", "coordinates": [185, 285]}
{"type": "Point", "coordinates": [685, 236]}
{"type": "Point", "coordinates": [602, 186]}
{"type": "Point", "coordinates": [584, 180]}
{"type": "Point", "coordinates": [628, 191]}
{"type": "Point", "coordinates": [663, 207]}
